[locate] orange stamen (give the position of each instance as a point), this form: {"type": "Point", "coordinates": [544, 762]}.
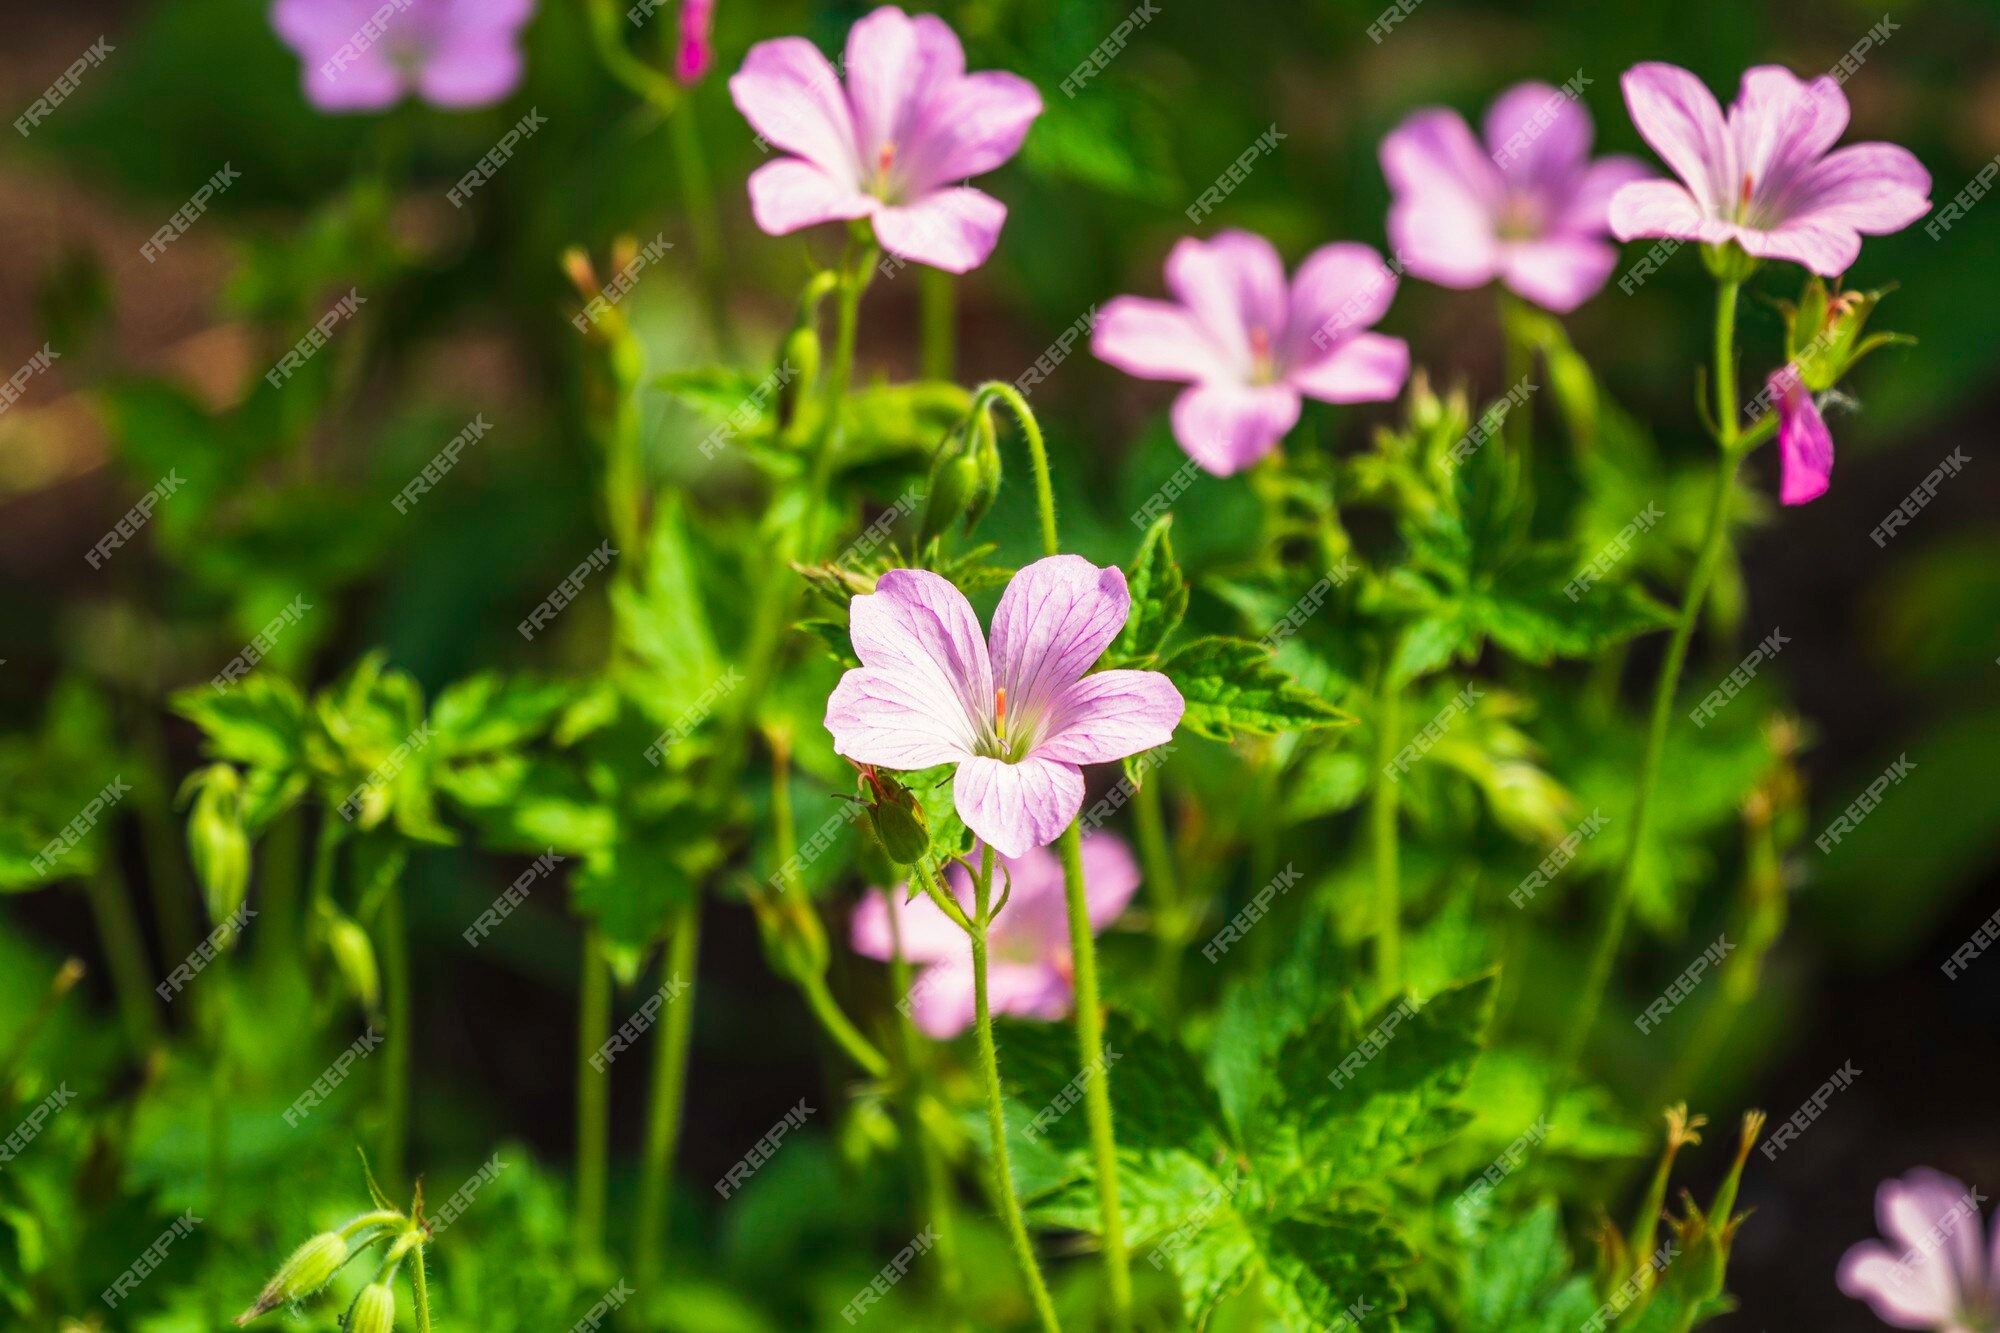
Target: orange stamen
{"type": "Point", "coordinates": [885, 156]}
{"type": "Point", "coordinates": [1260, 344]}
{"type": "Point", "coordinates": [1746, 190]}
{"type": "Point", "coordinates": [1000, 708]}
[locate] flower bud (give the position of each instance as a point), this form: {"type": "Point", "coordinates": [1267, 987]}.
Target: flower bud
{"type": "Point", "coordinates": [1823, 333]}
{"type": "Point", "coordinates": [354, 955]}
{"type": "Point", "coordinates": [799, 364]}
{"type": "Point", "coordinates": [217, 842]}
{"type": "Point", "coordinates": [954, 480]}
{"type": "Point", "coordinates": [986, 486]}
{"type": "Point", "coordinates": [311, 1267]}
{"type": "Point", "coordinates": [374, 1310]}
{"type": "Point", "coordinates": [899, 821]}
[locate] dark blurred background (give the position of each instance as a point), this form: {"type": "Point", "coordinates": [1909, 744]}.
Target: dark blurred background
{"type": "Point", "coordinates": [1895, 650]}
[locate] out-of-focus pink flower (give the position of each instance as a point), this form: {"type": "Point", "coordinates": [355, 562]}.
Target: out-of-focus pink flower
{"type": "Point", "coordinates": [363, 55]}
{"type": "Point", "coordinates": [1764, 177]}
{"type": "Point", "coordinates": [693, 56]}
{"type": "Point", "coordinates": [1028, 949]}
{"type": "Point", "coordinates": [1805, 446]}
{"type": "Point", "coordinates": [1528, 208]}
{"type": "Point", "coordinates": [1936, 1272]}
{"type": "Point", "coordinates": [1250, 345]}
{"type": "Point", "coordinates": [888, 145]}
{"type": "Point", "coordinates": [1015, 713]}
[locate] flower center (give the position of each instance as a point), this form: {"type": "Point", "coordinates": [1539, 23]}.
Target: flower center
{"type": "Point", "coordinates": [1519, 220]}
{"type": "Point", "coordinates": [1743, 199]}
{"type": "Point", "coordinates": [1263, 369]}
{"type": "Point", "coordinates": [1011, 734]}
{"type": "Point", "coordinates": [885, 159]}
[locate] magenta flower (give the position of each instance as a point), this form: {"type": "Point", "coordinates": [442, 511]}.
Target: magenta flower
{"type": "Point", "coordinates": [1937, 1273]}
{"type": "Point", "coordinates": [1249, 345]}
{"type": "Point", "coordinates": [1028, 971]}
{"type": "Point", "coordinates": [1805, 446]}
{"type": "Point", "coordinates": [1529, 208]}
{"type": "Point", "coordinates": [887, 147]}
{"type": "Point", "coordinates": [1015, 713]}
{"type": "Point", "coordinates": [1764, 177]}
{"type": "Point", "coordinates": [362, 55]}
{"type": "Point", "coordinates": [694, 54]}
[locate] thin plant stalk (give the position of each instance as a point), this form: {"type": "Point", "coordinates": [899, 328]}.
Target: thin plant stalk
{"type": "Point", "coordinates": [663, 1118]}
{"type": "Point", "coordinates": [937, 313]}
{"type": "Point", "coordinates": [421, 1287]}
{"type": "Point", "coordinates": [1735, 444]}
{"type": "Point", "coordinates": [394, 946]}
{"type": "Point", "coordinates": [1089, 1018]}
{"type": "Point", "coordinates": [124, 952]}
{"type": "Point", "coordinates": [698, 197]}
{"type": "Point", "coordinates": [1163, 885]}
{"type": "Point", "coordinates": [996, 1122]}
{"type": "Point", "coordinates": [1383, 809]}
{"type": "Point", "coordinates": [593, 1100]}
{"type": "Point", "coordinates": [913, 1087]}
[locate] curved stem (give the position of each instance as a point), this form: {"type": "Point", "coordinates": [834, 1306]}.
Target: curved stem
{"type": "Point", "coordinates": [838, 1026]}
{"type": "Point", "coordinates": [1038, 454]}
{"type": "Point", "coordinates": [1163, 885]}
{"type": "Point", "coordinates": [1383, 806]}
{"type": "Point", "coordinates": [1734, 446]}
{"type": "Point", "coordinates": [1096, 1091]}
{"type": "Point", "coordinates": [593, 1100]}
{"type": "Point", "coordinates": [663, 1121]}
{"type": "Point", "coordinates": [996, 1123]}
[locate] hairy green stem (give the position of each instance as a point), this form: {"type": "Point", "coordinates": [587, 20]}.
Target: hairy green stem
{"type": "Point", "coordinates": [1038, 454]}
{"type": "Point", "coordinates": [1163, 884]}
{"type": "Point", "coordinates": [912, 1089]}
{"type": "Point", "coordinates": [936, 315]}
{"type": "Point", "coordinates": [996, 1122]}
{"type": "Point", "coordinates": [593, 1100]}
{"type": "Point", "coordinates": [1097, 1090]}
{"type": "Point", "coordinates": [663, 1121]}
{"type": "Point", "coordinates": [1734, 445]}
{"type": "Point", "coordinates": [421, 1286]}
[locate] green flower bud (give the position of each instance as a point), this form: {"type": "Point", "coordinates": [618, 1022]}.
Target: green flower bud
{"type": "Point", "coordinates": [217, 842]}
{"type": "Point", "coordinates": [311, 1267]}
{"type": "Point", "coordinates": [374, 1310]}
{"type": "Point", "coordinates": [953, 482]}
{"type": "Point", "coordinates": [798, 365]}
{"type": "Point", "coordinates": [354, 955]}
{"type": "Point", "coordinates": [899, 821]}
{"type": "Point", "coordinates": [986, 452]}
{"type": "Point", "coordinates": [1823, 333]}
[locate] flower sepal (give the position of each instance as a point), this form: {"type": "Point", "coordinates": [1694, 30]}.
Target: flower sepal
{"type": "Point", "coordinates": [1729, 262]}
{"type": "Point", "coordinates": [1825, 332]}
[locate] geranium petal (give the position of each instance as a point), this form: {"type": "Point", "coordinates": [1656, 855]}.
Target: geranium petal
{"type": "Point", "coordinates": [1233, 284]}
{"type": "Point", "coordinates": [1559, 273]}
{"type": "Point", "coordinates": [790, 95]}
{"type": "Point", "coordinates": [899, 720]}
{"type": "Point", "coordinates": [1782, 125]}
{"type": "Point", "coordinates": [1869, 187]}
{"type": "Point", "coordinates": [896, 67]}
{"type": "Point", "coordinates": [1339, 289]}
{"type": "Point", "coordinates": [1914, 1295]}
{"type": "Point", "coordinates": [924, 683]}
{"type": "Point", "coordinates": [1110, 877]}
{"type": "Point", "coordinates": [1588, 209]}
{"type": "Point", "coordinates": [1110, 714]}
{"type": "Point", "coordinates": [1028, 990]}
{"type": "Point", "coordinates": [1361, 368]}
{"type": "Point", "coordinates": [1656, 208]}
{"type": "Point", "coordinates": [953, 230]}
{"type": "Point", "coordinates": [1677, 114]}
{"type": "Point", "coordinates": [971, 126]}
{"type": "Point", "coordinates": [1827, 245]}
{"type": "Point", "coordinates": [1805, 446]}
{"type": "Point", "coordinates": [942, 1003]}
{"type": "Point", "coordinates": [1538, 136]}
{"type": "Point", "coordinates": [1013, 807]}
{"type": "Point", "coordinates": [925, 933]}
{"type": "Point", "coordinates": [1447, 193]}
{"type": "Point", "coordinates": [474, 68]}
{"type": "Point", "coordinates": [1154, 340]}
{"type": "Point", "coordinates": [1931, 1213]}
{"type": "Point", "coordinates": [1053, 622]}
{"type": "Point", "coordinates": [792, 193]}
{"type": "Point", "coordinates": [1227, 427]}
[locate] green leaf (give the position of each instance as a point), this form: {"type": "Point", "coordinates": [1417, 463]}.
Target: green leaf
{"type": "Point", "coordinates": [906, 421]}
{"type": "Point", "coordinates": [490, 711]}
{"type": "Point", "coordinates": [1159, 595]}
{"type": "Point", "coordinates": [669, 659]}
{"type": "Point", "coordinates": [1511, 1277]}
{"type": "Point", "coordinates": [260, 722]}
{"type": "Point", "coordinates": [1354, 1098]}
{"type": "Point", "coordinates": [1339, 1265]}
{"type": "Point", "coordinates": [1231, 686]}
{"type": "Point", "coordinates": [724, 393]}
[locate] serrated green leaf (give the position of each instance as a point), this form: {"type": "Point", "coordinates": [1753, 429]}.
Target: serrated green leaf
{"type": "Point", "coordinates": [1159, 595]}
{"type": "Point", "coordinates": [261, 722]}
{"type": "Point", "coordinates": [1231, 686]}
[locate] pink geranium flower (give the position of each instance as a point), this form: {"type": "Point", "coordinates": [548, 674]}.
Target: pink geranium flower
{"type": "Point", "coordinates": [1528, 208]}
{"type": "Point", "coordinates": [1764, 177]}
{"type": "Point", "coordinates": [1250, 345]}
{"type": "Point", "coordinates": [888, 146]}
{"type": "Point", "coordinates": [1015, 713]}
{"type": "Point", "coordinates": [692, 56]}
{"type": "Point", "coordinates": [1936, 1273]}
{"type": "Point", "coordinates": [1805, 446]}
{"type": "Point", "coordinates": [1028, 971]}
{"type": "Point", "coordinates": [452, 53]}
